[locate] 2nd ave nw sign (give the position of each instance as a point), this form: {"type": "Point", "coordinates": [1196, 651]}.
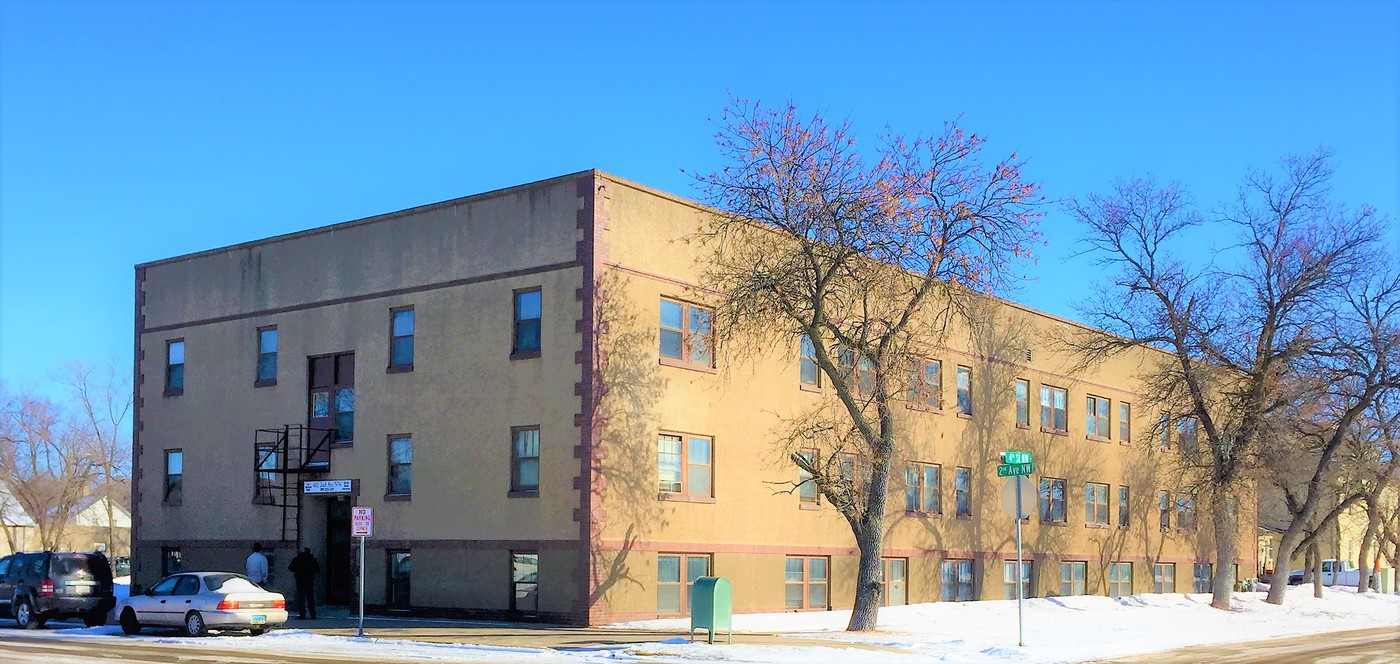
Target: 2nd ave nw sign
{"type": "Point", "coordinates": [1010, 469]}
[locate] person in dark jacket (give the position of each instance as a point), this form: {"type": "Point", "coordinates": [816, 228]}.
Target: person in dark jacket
{"type": "Point", "coordinates": [304, 569]}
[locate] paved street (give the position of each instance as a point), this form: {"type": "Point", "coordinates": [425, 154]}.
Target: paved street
{"type": "Point", "coordinates": [1364, 646]}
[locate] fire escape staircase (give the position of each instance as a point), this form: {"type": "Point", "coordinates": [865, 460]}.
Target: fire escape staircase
{"type": "Point", "coordinates": [283, 457]}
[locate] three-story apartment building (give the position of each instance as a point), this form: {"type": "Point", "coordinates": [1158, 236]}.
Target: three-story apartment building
{"type": "Point", "coordinates": [521, 385]}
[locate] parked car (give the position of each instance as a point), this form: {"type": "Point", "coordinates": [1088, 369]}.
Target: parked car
{"type": "Point", "coordinates": [1334, 573]}
{"type": "Point", "coordinates": [199, 601]}
{"type": "Point", "coordinates": [38, 587]}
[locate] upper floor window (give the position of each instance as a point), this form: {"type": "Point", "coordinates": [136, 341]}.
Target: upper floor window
{"type": "Point", "coordinates": [525, 459]}
{"type": "Point", "coordinates": [965, 390]}
{"type": "Point", "coordinates": [1096, 417]}
{"type": "Point", "coordinates": [862, 370]}
{"type": "Point", "coordinates": [810, 373]}
{"type": "Point", "coordinates": [962, 491]}
{"type": "Point", "coordinates": [1096, 503]}
{"type": "Point", "coordinates": [1186, 433]}
{"type": "Point", "coordinates": [1023, 403]}
{"type": "Point", "coordinates": [684, 465]}
{"type": "Point", "coordinates": [927, 391]}
{"type": "Point", "coordinates": [400, 466]}
{"type": "Point", "coordinates": [1123, 512]}
{"type": "Point", "coordinates": [921, 488]}
{"type": "Point", "coordinates": [526, 338]}
{"type": "Point", "coordinates": [174, 476]}
{"type": "Point", "coordinates": [267, 356]}
{"type": "Point", "coordinates": [267, 465]}
{"type": "Point", "coordinates": [1164, 431]}
{"type": "Point", "coordinates": [1164, 509]}
{"type": "Point", "coordinates": [806, 482]}
{"type": "Point", "coordinates": [175, 366]}
{"type": "Point", "coordinates": [687, 337]}
{"type": "Point", "coordinates": [401, 338]}
{"type": "Point", "coordinates": [1052, 500]}
{"type": "Point", "coordinates": [1053, 417]}
{"type": "Point", "coordinates": [1185, 511]}
{"type": "Point", "coordinates": [1125, 422]}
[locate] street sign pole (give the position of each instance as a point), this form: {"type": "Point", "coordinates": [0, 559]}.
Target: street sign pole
{"type": "Point", "coordinates": [361, 630]}
{"type": "Point", "coordinates": [361, 526]}
{"type": "Point", "coordinates": [1020, 570]}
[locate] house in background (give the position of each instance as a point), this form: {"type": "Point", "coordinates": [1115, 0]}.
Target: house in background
{"type": "Point", "coordinates": [21, 533]}
{"type": "Point", "coordinates": [87, 529]}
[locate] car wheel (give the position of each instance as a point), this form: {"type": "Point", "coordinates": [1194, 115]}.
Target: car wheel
{"type": "Point", "coordinates": [25, 618]}
{"type": "Point", "coordinates": [130, 625]}
{"type": "Point", "coordinates": [194, 624]}
{"type": "Point", "coordinates": [95, 618]}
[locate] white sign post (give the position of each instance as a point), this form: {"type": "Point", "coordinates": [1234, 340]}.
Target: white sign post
{"type": "Point", "coordinates": [362, 526]}
{"type": "Point", "coordinates": [1018, 499]}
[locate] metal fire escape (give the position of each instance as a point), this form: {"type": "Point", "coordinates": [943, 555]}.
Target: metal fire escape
{"type": "Point", "coordinates": [282, 458]}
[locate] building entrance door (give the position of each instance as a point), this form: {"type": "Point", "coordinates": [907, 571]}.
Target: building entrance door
{"type": "Point", "coordinates": [339, 580]}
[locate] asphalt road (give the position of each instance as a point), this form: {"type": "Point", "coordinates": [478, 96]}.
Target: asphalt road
{"type": "Point", "coordinates": [1379, 645]}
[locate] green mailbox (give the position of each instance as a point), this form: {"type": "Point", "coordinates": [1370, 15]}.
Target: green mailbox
{"type": "Point", "coordinates": [711, 607]}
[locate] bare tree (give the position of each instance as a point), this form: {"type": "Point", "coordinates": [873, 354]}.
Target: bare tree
{"type": "Point", "coordinates": [866, 263]}
{"type": "Point", "coordinates": [46, 463]}
{"type": "Point", "coordinates": [102, 398]}
{"type": "Point", "coordinates": [1232, 337]}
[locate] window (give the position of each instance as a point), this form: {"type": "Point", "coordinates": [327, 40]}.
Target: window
{"type": "Point", "coordinates": [957, 581]}
{"type": "Point", "coordinates": [524, 581]}
{"type": "Point", "coordinates": [1023, 403]}
{"type": "Point", "coordinates": [964, 390]}
{"type": "Point", "coordinates": [1185, 512]}
{"type": "Point", "coordinates": [174, 366]}
{"type": "Point", "coordinates": [333, 399]}
{"type": "Point", "coordinates": [1096, 417]}
{"type": "Point", "coordinates": [1164, 510]}
{"type": "Point", "coordinates": [1186, 433]}
{"type": "Point", "coordinates": [684, 465]}
{"type": "Point", "coordinates": [401, 339]}
{"type": "Point", "coordinates": [1200, 577]}
{"type": "Point", "coordinates": [171, 561]}
{"type": "Point", "coordinates": [1096, 503]}
{"type": "Point", "coordinates": [895, 581]}
{"type": "Point", "coordinates": [921, 488]}
{"type": "Point", "coordinates": [864, 374]}
{"type": "Point", "coordinates": [525, 341]}
{"type": "Point", "coordinates": [400, 465]}
{"type": "Point", "coordinates": [805, 583]}
{"type": "Point", "coordinates": [1008, 579]}
{"type": "Point", "coordinates": [525, 459]}
{"type": "Point", "coordinates": [1164, 426]}
{"type": "Point", "coordinates": [806, 483]}
{"type": "Point", "coordinates": [174, 477]}
{"type": "Point", "coordinates": [399, 573]}
{"type": "Point", "coordinates": [1125, 422]}
{"type": "Point", "coordinates": [1232, 507]}
{"type": "Point", "coordinates": [1072, 578]}
{"type": "Point", "coordinates": [1123, 513]}
{"type": "Point", "coordinates": [672, 589]}
{"type": "Point", "coordinates": [1052, 500]}
{"type": "Point", "coordinates": [267, 356]}
{"type": "Point", "coordinates": [1053, 417]}
{"type": "Point", "coordinates": [810, 373]}
{"type": "Point", "coordinates": [927, 389]}
{"type": "Point", "coordinates": [266, 463]}
{"type": "Point", "coordinates": [962, 491]}
{"type": "Point", "coordinates": [1120, 579]}
{"type": "Point", "coordinates": [1164, 578]}
{"type": "Point", "coordinates": [686, 336]}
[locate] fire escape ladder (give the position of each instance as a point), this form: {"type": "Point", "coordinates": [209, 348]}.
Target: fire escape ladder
{"type": "Point", "coordinates": [281, 457]}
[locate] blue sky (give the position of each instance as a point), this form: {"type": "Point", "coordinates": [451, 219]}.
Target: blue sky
{"type": "Point", "coordinates": [133, 131]}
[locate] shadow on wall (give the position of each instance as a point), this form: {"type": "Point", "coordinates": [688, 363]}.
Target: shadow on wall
{"type": "Point", "coordinates": [629, 385]}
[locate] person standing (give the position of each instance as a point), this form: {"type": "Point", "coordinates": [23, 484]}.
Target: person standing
{"type": "Point", "coordinates": [256, 566]}
{"type": "Point", "coordinates": [304, 568]}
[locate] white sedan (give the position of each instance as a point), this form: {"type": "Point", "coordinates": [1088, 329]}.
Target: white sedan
{"type": "Point", "coordinates": [200, 601]}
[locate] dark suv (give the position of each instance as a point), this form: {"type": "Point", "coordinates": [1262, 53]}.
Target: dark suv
{"type": "Point", "coordinates": [38, 587]}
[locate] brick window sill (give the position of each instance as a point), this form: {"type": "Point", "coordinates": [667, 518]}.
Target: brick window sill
{"type": "Point", "coordinates": [1054, 432]}
{"type": "Point", "coordinates": [919, 514]}
{"type": "Point", "coordinates": [342, 443]}
{"type": "Point", "coordinates": [810, 388]}
{"type": "Point", "coordinates": [1100, 526]}
{"type": "Point", "coordinates": [682, 364]}
{"type": "Point", "coordinates": [525, 354]}
{"type": "Point", "coordinates": [925, 409]}
{"type": "Point", "coordinates": [683, 498]}
{"type": "Point", "coordinates": [173, 393]}
{"type": "Point", "coordinates": [1099, 439]}
{"type": "Point", "coordinates": [397, 497]}
{"type": "Point", "coordinates": [265, 382]}
{"type": "Point", "coordinates": [963, 517]}
{"type": "Point", "coordinates": [399, 368]}
{"type": "Point", "coordinates": [965, 416]}
{"type": "Point", "coordinates": [523, 493]}
{"type": "Point", "coordinates": [1023, 426]}
{"type": "Point", "coordinates": [1055, 524]}
{"type": "Point", "coordinates": [809, 506]}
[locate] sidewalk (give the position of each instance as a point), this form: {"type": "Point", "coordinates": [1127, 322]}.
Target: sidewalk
{"type": "Point", "coordinates": [336, 621]}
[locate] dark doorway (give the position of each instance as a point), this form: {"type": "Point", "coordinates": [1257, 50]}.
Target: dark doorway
{"type": "Point", "coordinates": [339, 580]}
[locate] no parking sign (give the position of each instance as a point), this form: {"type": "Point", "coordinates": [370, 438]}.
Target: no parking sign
{"type": "Point", "coordinates": [361, 522]}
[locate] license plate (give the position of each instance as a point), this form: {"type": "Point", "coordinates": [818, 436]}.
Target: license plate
{"type": "Point", "coordinates": [258, 620]}
{"type": "Point", "coordinates": [82, 590]}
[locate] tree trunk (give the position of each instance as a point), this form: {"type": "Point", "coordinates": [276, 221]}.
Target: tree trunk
{"type": "Point", "coordinates": [1283, 560]}
{"type": "Point", "coordinates": [1317, 569]}
{"type": "Point", "coordinates": [1373, 526]}
{"type": "Point", "coordinates": [1224, 553]}
{"type": "Point", "coordinates": [868, 587]}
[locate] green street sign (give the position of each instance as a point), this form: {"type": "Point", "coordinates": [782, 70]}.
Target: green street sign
{"type": "Point", "coordinates": [1013, 457]}
{"type": "Point", "coordinates": [1010, 469]}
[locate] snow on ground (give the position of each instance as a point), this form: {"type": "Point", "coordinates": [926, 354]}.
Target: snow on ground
{"type": "Point", "coordinates": [1066, 629]}
{"type": "Point", "coordinates": [1059, 629]}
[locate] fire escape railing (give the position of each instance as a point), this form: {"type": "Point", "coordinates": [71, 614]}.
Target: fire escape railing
{"type": "Point", "coordinates": [281, 457]}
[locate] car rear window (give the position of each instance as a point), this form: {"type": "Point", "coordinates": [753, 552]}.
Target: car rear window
{"type": "Point", "coordinates": [81, 566]}
{"type": "Point", "coordinates": [229, 583]}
